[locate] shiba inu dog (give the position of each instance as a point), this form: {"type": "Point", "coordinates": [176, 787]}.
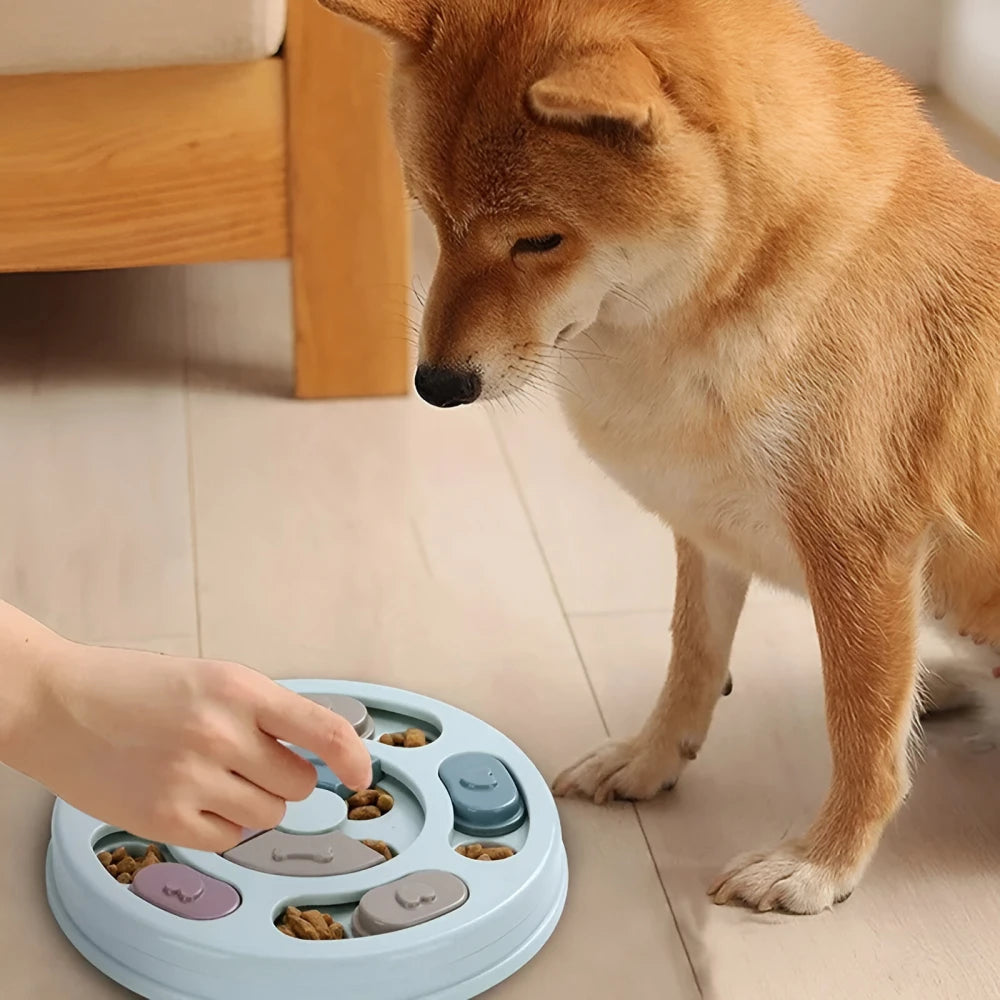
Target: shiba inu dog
{"type": "Point", "coordinates": [790, 294]}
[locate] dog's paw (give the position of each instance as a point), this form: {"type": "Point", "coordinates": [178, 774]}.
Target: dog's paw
{"type": "Point", "coordinates": [620, 770]}
{"type": "Point", "coordinates": [782, 880]}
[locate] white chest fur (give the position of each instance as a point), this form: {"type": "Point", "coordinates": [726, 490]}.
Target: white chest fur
{"type": "Point", "coordinates": [665, 434]}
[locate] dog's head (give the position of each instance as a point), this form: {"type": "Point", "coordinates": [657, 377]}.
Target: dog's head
{"type": "Point", "coordinates": [561, 163]}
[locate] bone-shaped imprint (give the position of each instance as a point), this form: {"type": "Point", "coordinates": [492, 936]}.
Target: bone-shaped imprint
{"type": "Point", "coordinates": [185, 892]}
{"type": "Point", "coordinates": [320, 857]}
{"type": "Point", "coordinates": [415, 894]}
{"type": "Point", "coordinates": [185, 884]}
{"type": "Point", "coordinates": [480, 780]}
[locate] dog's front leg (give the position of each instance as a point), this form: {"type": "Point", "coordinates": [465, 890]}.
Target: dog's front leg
{"type": "Point", "coordinates": [707, 607]}
{"type": "Point", "coordinates": [865, 605]}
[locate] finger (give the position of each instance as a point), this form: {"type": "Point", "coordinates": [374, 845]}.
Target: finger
{"type": "Point", "coordinates": [244, 804]}
{"type": "Point", "coordinates": [276, 769]}
{"type": "Point", "coordinates": [290, 717]}
{"type": "Point", "coordinates": [208, 832]}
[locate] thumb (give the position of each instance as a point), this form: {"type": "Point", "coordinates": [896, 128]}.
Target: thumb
{"type": "Point", "coordinates": [290, 717]}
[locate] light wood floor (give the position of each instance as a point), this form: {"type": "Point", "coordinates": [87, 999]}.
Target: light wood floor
{"type": "Point", "coordinates": [159, 490]}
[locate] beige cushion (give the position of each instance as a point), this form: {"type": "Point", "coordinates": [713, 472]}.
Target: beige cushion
{"type": "Point", "coordinates": [42, 36]}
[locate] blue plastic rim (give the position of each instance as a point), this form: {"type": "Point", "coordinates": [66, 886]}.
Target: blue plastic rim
{"type": "Point", "coordinates": [511, 909]}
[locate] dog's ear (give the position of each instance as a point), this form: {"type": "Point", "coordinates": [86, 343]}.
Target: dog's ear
{"type": "Point", "coordinates": [401, 20]}
{"type": "Point", "coordinates": [618, 87]}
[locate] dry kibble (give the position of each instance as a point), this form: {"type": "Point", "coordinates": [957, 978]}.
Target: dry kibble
{"type": "Point", "coordinates": [369, 797]}
{"type": "Point", "coordinates": [302, 928]}
{"type": "Point", "coordinates": [409, 738]}
{"type": "Point", "coordinates": [127, 866]}
{"type": "Point", "coordinates": [315, 918]}
{"type": "Point", "coordinates": [499, 853]}
{"type": "Point", "coordinates": [369, 804]}
{"type": "Point", "coordinates": [380, 846]}
{"type": "Point", "coordinates": [309, 925]}
{"type": "Point", "coordinates": [122, 866]}
{"type": "Point", "coordinates": [479, 852]}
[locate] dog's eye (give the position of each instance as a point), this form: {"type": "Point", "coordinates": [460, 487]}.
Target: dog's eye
{"type": "Point", "coordinates": [538, 244]}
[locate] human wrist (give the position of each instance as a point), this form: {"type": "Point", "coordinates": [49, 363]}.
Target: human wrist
{"type": "Point", "coordinates": [31, 661]}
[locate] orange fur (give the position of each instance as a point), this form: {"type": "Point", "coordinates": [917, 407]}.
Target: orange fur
{"type": "Point", "coordinates": [790, 293]}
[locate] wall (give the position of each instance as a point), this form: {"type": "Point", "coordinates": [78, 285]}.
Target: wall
{"type": "Point", "coordinates": [903, 33]}
{"type": "Point", "coordinates": [970, 58]}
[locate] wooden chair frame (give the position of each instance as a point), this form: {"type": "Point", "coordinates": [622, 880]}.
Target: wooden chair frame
{"type": "Point", "coordinates": [285, 157]}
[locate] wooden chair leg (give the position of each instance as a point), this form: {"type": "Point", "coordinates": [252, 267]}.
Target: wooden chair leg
{"type": "Point", "coordinates": [349, 218]}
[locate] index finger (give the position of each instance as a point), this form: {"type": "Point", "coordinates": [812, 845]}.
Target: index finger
{"type": "Point", "coordinates": [293, 719]}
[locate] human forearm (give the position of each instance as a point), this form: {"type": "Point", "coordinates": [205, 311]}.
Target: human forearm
{"type": "Point", "coordinates": [27, 651]}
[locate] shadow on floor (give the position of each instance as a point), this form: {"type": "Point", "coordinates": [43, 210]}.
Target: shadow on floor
{"type": "Point", "coordinates": [155, 326]}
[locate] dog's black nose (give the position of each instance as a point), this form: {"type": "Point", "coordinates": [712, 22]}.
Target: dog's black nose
{"type": "Point", "coordinates": [446, 386]}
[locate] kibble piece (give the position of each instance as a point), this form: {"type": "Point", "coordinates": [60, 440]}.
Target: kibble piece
{"type": "Point", "coordinates": [410, 738]}
{"type": "Point", "coordinates": [477, 852]}
{"type": "Point", "coordinates": [291, 914]}
{"type": "Point", "coordinates": [309, 925]}
{"type": "Point", "coordinates": [122, 866]}
{"type": "Point", "coordinates": [379, 846]}
{"type": "Point", "coordinates": [368, 797]}
{"type": "Point", "coordinates": [315, 918]}
{"type": "Point", "coordinates": [499, 853]}
{"type": "Point", "coordinates": [301, 928]}
{"type": "Point", "coordinates": [369, 804]}
{"type": "Point", "coordinates": [127, 865]}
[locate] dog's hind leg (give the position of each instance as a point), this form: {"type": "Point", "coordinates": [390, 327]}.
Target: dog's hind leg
{"type": "Point", "coordinates": [707, 607]}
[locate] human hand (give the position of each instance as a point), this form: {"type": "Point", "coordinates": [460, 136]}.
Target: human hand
{"type": "Point", "coordinates": [172, 749]}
